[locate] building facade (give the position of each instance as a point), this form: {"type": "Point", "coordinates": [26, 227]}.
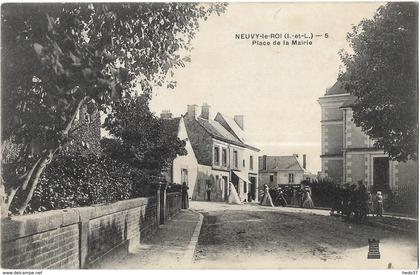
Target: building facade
{"type": "Point", "coordinates": [218, 153]}
{"type": "Point", "coordinates": [348, 155]}
{"type": "Point", "coordinates": [280, 170]}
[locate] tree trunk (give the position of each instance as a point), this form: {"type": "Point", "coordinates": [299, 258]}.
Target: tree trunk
{"type": "Point", "coordinates": [32, 178]}
{"type": "Point", "coordinates": [33, 182]}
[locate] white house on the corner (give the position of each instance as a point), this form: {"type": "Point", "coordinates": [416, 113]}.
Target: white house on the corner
{"type": "Point", "coordinates": [218, 153]}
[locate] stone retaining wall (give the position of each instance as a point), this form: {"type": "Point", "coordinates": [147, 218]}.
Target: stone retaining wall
{"type": "Point", "coordinates": [83, 237]}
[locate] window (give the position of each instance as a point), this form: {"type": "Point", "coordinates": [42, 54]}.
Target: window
{"type": "Point", "coordinates": [245, 187]}
{"type": "Point", "coordinates": [251, 162]}
{"type": "Point", "coordinates": [235, 159]}
{"type": "Point", "coordinates": [224, 157]}
{"type": "Point", "coordinates": [216, 155]}
{"type": "Point", "coordinates": [271, 178]}
{"type": "Point", "coordinates": [291, 178]}
{"type": "Point", "coordinates": [243, 163]}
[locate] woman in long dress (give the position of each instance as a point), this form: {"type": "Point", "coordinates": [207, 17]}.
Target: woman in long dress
{"type": "Point", "coordinates": [307, 200]}
{"type": "Point", "coordinates": [266, 200]}
{"type": "Point", "coordinates": [233, 195]}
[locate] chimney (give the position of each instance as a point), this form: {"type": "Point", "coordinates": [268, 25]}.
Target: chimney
{"type": "Point", "coordinates": [239, 119]}
{"type": "Point", "coordinates": [205, 111]}
{"type": "Point", "coordinates": [191, 111]}
{"type": "Point", "coordinates": [264, 158]}
{"type": "Point", "coordinates": [166, 114]}
{"type": "Point", "coordinates": [296, 155]}
{"type": "Point", "coordinates": [304, 161]}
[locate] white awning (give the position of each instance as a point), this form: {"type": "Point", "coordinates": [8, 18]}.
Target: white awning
{"type": "Point", "coordinates": [242, 176]}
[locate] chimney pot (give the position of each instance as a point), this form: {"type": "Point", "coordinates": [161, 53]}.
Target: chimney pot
{"type": "Point", "coordinates": [191, 111]}
{"type": "Point", "coordinates": [205, 111]}
{"type": "Point", "coordinates": [166, 114]}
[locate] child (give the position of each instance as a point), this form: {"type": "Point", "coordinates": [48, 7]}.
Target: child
{"type": "Point", "coordinates": [379, 204]}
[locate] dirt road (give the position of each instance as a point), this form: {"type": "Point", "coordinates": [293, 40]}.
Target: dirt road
{"type": "Point", "coordinates": [249, 236]}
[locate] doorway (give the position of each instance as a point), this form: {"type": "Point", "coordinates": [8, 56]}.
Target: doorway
{"type": "Point", "coordinates": [184, 176]}
{"type": "Point", "coordinates": [380, 174]}
{"type": "Point", "coordinates": [253, 187]}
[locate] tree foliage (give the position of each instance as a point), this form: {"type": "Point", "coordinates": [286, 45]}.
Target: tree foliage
{"type": "Point", "coordinates": [76, 181]}
{"type": "Point", "coordinates": [58, 57]}
{"type": "Point", "coordinates": [381, 72]}
{"type": "Point", "coordinates": [141, 140]}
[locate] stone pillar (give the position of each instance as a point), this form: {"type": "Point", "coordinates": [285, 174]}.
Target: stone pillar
{"type": "Point", "coordinates": [163, 214]}
{"type": "Point", "coordinates": [158, 198]}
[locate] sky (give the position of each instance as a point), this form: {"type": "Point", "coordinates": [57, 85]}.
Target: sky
{"type": "Point", "coordinates": [276, 88]}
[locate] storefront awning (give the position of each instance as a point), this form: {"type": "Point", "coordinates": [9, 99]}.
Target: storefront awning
{"type": "Point", "coordinates": [242, 176]}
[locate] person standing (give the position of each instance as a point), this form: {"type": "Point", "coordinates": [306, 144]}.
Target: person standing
{"type": "Point", "coordinates": [233, 195]}
{"type": "Point", "coordinates": [307, 200]}
{"type": "Point", "coordinates": [266, 200]}
{"type": "Point", "coordinates": [208, 191]}
{"type": "Point", "coordinates": [184, 191]}
{"type": "Point", "coordinates": [379, 204]}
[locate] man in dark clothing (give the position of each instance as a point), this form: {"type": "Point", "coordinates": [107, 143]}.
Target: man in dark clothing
{"type": "Point", "coordinates": [208, 191]}
{"type": "Point", "coordinates": [184, 190]}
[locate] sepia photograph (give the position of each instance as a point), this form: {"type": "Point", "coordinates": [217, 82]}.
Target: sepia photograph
{"type": "Point", "coordinates": [209, 135]}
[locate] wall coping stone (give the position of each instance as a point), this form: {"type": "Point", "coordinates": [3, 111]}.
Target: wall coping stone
{"type": "Point", "coordinates": [26, 225]}
{"type": "Point", "coordinates": [97, 211]}
{"type": "Point", "coordinates": [21, 226]}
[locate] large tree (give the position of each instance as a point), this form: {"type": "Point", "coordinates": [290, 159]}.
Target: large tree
{"type": "Point", "coordinates": [139, 138]}
{"type": "Point", "coordinates": [381, 72]}
{"type": "Point", "coordinates": [57, 57]}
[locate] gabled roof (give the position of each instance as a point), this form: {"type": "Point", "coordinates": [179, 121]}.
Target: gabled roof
{"type": "Point", "coordinates": [216, 130]}
{"type": "Point", "coordinates": [277, 163]}
{"type": "Point", "coordinates": [231, 125]}
{"type": "Point", "coordinates": [336, 89]}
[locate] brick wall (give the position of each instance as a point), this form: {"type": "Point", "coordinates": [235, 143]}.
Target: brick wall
{"type": "Point", "coordinates": [45, 240]}
{"type": "Point", "coordinates": [83, 237]}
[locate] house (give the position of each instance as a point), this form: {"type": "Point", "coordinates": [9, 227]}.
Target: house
{"type": "Point", "coordinates": [348, 155]}
{"type": "Point", "coordinates": [281, 170]}
{"type": "Point", "coordinates": [183, 168]}
{"type": "Point", "coordinates": [219, 152]}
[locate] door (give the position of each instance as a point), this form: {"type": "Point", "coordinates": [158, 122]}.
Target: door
{"type": "Point", "coordinates": [184, 176]}
{"type": "Point", "coordinates": [380, 174]}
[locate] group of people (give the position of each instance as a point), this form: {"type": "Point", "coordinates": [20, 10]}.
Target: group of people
{"type": "Point", "coordinates": [279, 196]}
{"type": "Point", "coordinates": [348, 200]}
{"type": "Point", "coordinates": [355, 200]}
